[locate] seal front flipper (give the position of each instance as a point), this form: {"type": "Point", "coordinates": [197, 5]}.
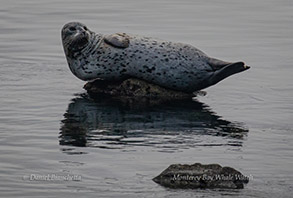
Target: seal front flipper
{"type": "Point", "coordinates": [119, 40]}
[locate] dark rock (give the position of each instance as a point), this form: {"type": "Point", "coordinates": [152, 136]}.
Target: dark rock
{"type": "Point", "coordinates": [133, 88]}
{"type": "Point", "coordinates": [201, 176]}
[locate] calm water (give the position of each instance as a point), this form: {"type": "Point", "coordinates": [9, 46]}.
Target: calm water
{"type": "Point", "coordinates": [48, 125]}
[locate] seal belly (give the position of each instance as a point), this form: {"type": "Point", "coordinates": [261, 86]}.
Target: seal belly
{"type": "Point", "coordinates": [104, 63]}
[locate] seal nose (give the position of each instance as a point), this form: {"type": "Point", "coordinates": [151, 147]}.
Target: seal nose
{"type": "Point", "coordinates": [81, 29]}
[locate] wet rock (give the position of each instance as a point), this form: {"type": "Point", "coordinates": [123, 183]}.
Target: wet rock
{"type": "Point", "coordinates": [201, 176]}
{"type": "Point", "coordinates": [133, 88]}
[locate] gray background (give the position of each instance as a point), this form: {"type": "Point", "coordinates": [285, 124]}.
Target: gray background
{"type": "Point", "coordinates": [119, 160]}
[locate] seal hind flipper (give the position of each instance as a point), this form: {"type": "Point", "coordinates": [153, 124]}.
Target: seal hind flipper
{"type": "Point", "coordinates": [217, 64]}
{"type": "Point", "coordinates": [227, 71]}
{"type": "Point", "coordinates": [119, 40]}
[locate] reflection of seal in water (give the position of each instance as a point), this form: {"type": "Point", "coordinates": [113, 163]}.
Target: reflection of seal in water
{"type": "Point", "coordinates": [171, 125]}
{"type": "Point", "coordinates": [119, 56]}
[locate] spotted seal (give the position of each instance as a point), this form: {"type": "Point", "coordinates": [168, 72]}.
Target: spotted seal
{"type": "Point", "coordinates": [120, 56]}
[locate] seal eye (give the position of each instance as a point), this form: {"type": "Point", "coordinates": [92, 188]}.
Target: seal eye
{"type": "Point", "coordinates": [85, 28]}
{"type": "Point", "coordinates": [72, 28]}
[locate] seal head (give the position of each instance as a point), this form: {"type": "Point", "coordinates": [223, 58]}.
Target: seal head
{"type": "Point", "coordinates": [75, 37]}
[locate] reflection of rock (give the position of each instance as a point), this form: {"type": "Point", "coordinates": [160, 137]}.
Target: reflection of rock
{"type": "Point", "coordinates": [200, 176]}
{"type": "Point", "coordinates": [133, 88]}
{"type": "Point", "coordinates": [172, 125]}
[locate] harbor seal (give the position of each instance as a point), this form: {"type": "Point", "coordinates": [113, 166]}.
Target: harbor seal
{"type": "Point", "coordinates": [119, 56]}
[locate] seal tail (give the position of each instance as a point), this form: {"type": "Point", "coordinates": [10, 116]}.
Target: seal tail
{"type": "Point", "coordinates": [227, 71]}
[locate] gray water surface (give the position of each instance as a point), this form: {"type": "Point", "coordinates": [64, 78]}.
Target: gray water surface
{"type": "Point", "coordinates": [50, 126]}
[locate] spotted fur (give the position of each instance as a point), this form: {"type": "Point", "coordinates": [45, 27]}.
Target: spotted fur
{"type": "Point", "coordinates": [172, 65]}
